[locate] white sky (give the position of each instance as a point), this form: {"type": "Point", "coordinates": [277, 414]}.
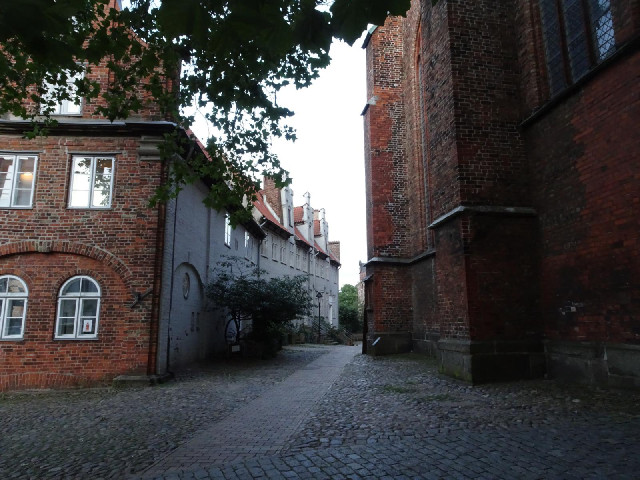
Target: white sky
{"type": "Point", "coordinates": [327, 160]}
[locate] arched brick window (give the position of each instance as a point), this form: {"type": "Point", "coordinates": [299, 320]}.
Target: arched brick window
{"type": "Point", "coordinates": [78, 309]}
{"type": "Point", "coordinates": [13, 307]}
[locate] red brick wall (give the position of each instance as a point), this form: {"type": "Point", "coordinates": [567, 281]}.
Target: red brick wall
{"type": "Point", "coordinates": [103, 75]}
{"type": "Point", "coordinates": [116, 246]}
{"type": "Point", "coordinates": [584, 155]}
{"type": "Point", "coordinates": [40, 361]}
{"type": "Point", "coordinates": [491, 166]}
{"type": "Point", "coordinates": [385, 169]}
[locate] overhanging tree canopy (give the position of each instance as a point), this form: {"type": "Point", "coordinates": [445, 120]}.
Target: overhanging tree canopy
{"type": "Point", "coordinates": [231, 56]}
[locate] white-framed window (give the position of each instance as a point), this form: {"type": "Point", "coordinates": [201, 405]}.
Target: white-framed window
{"type": "Point", "coordinates": [13, 307]}
{"type": "Point", "coordinates": [298, 261]}
{"type": "Point", "coordinates": [17, 179]}
{"type": "Point", "coordinates": [291, 256]}
{"type": "Point", "coordinates": [263, 246]}
{"type": "Point", "coordinates": [283, 255]}
{"type": "Point", "coordinates": [227, 230]}
{"type": "Point", "coordinates": [274, 251]}
{"type": "Point", "coordinates": [78, 309]}
{"type": "Point", "coordinates": [91, 182]}
{"type": "Point", "coordinates": [73, 106]}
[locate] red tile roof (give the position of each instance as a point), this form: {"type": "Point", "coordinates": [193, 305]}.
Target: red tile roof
{"type": "Point", "coordinates": [266, 213]}
{"type": "Point", "coordinates": [298, 214]}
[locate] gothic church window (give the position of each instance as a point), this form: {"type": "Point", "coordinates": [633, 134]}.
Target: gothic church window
{"type": "Point", "coordinates": [578, 34]}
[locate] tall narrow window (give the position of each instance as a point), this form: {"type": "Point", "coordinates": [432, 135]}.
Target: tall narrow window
{"type": "Point", "coordinates": [91, 182]}
{"type": "Point", "coordinates": [17, 178]}
{"type": "Point", "coordinates": [78, 309]}
{"type": "Point", "coordinates": [578, 34]}
{"type": "Point", "coordinates": [227, 230]}
{"type": "Point", "coordinates": [13, 307]}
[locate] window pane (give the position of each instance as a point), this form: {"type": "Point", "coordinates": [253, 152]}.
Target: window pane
{"type": "Point", "coordinates": [6, 180]}
{"type": "Point", "coordinates": [602, 25]}
{"type": "Point", "coordinates": [14, 326]}
{"type": "Point", "coordinates": [71, 287]}
{"type": "Point", "coordinates": [65, 326]}
{"type": "Point", "coordinates": [79, 199]}
{"type": "Point", "coordinates": [68, 308]}
{"type": "Point", "coordinates": [71, 107]}
{"type": "Point", "coordinates": [16, 308]}
{"type": "Point", "coordinates": [3, 285]}
{"type": "Point", "coordinates": [22, 198]}
{"type": "Point", "coordinates": [15, 286]}
{"type": "Point", "coordinates": [104, 166]}
{"type": "Point", "coordinates": [576, 38]}
{"type": "Point", "coordinates": [552, 45]}
{"type": "Point", "coordinates": [26, 170]}
{"type": "Point", "coordinates": [80, 182]}
{"type": "Point", "coordinates": [27, 164]}
{"type": "Point", "coordinates": [89, 308]}
{"type": "Point", "coordinates": [89, 286]}
{"type": "Point", "coordinates": [102, 191]}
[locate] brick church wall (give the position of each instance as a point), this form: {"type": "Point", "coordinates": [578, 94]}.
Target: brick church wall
{"type": "Point", "coordinates": [530, 201]}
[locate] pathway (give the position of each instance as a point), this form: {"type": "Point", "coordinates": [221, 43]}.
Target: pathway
{"type": "Point", "coordinates": [263, 426]}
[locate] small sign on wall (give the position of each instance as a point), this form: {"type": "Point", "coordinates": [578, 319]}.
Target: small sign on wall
{"type": "Point", "coordinates": [87, 326]}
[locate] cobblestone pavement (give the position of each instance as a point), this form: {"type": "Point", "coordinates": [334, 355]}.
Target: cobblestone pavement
{"type": "Point", "coordinates": [383, 418]}
{"type": "Point", "coordinates": [109, 433]}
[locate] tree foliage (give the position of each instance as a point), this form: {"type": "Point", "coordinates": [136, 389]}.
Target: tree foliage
{"type": "Point", "coordinates": [226, 57]}
{"type": "Point", "coordinates": [348, 308]}
{"type": "Point", "coordinates": [269, 304]}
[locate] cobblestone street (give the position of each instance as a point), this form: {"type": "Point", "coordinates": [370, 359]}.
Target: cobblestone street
{"type": "Point", "coordinates": [322, 412]}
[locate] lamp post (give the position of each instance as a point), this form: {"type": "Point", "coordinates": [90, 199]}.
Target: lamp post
{"type": "Point", "coordinates": [318, 296]}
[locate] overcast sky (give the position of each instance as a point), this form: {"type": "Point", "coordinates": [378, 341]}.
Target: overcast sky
{"type": "Point", "coordinates": [327, 160]}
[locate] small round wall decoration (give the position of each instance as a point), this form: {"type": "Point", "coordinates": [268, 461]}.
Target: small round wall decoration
{"type": "Point", "coordinates": [186, 285]}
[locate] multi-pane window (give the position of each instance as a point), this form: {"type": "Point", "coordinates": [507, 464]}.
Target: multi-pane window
{"type": "Point", "coordinates": [578, 34]}
{"type": "Point", "coordinates": [274, 251]}
{"type": "Point", "coordinates": [91, 182]}
{"type": "Point", "coordinates": [17, 178]}
{"type": "Point", "coordinates": [71, 106]}
{"type": "Point", "coordinates": [78, 309]}
{"type": "Point", "coordinates": [247, 247]}
{"type": "Point", "coordinates": [227, 230]}
{"type": "Point", "coordinates": [263, 246]}
{"type": "Point", "coordinates": [13, 307]}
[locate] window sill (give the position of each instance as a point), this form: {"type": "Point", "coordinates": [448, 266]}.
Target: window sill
{"type": "Point", "coordinates": [90, 208]}
{"type": "Point", "coordinates": [63, 339]}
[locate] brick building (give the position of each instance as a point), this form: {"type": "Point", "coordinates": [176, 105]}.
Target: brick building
{"type": "Point", "coordinates": [503, 188]}
{"type": "Point", "coordinates": [95, 283]}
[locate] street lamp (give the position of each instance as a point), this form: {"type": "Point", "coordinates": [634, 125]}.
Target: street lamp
{"type": "Point", "coordinates": [318, 296]}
